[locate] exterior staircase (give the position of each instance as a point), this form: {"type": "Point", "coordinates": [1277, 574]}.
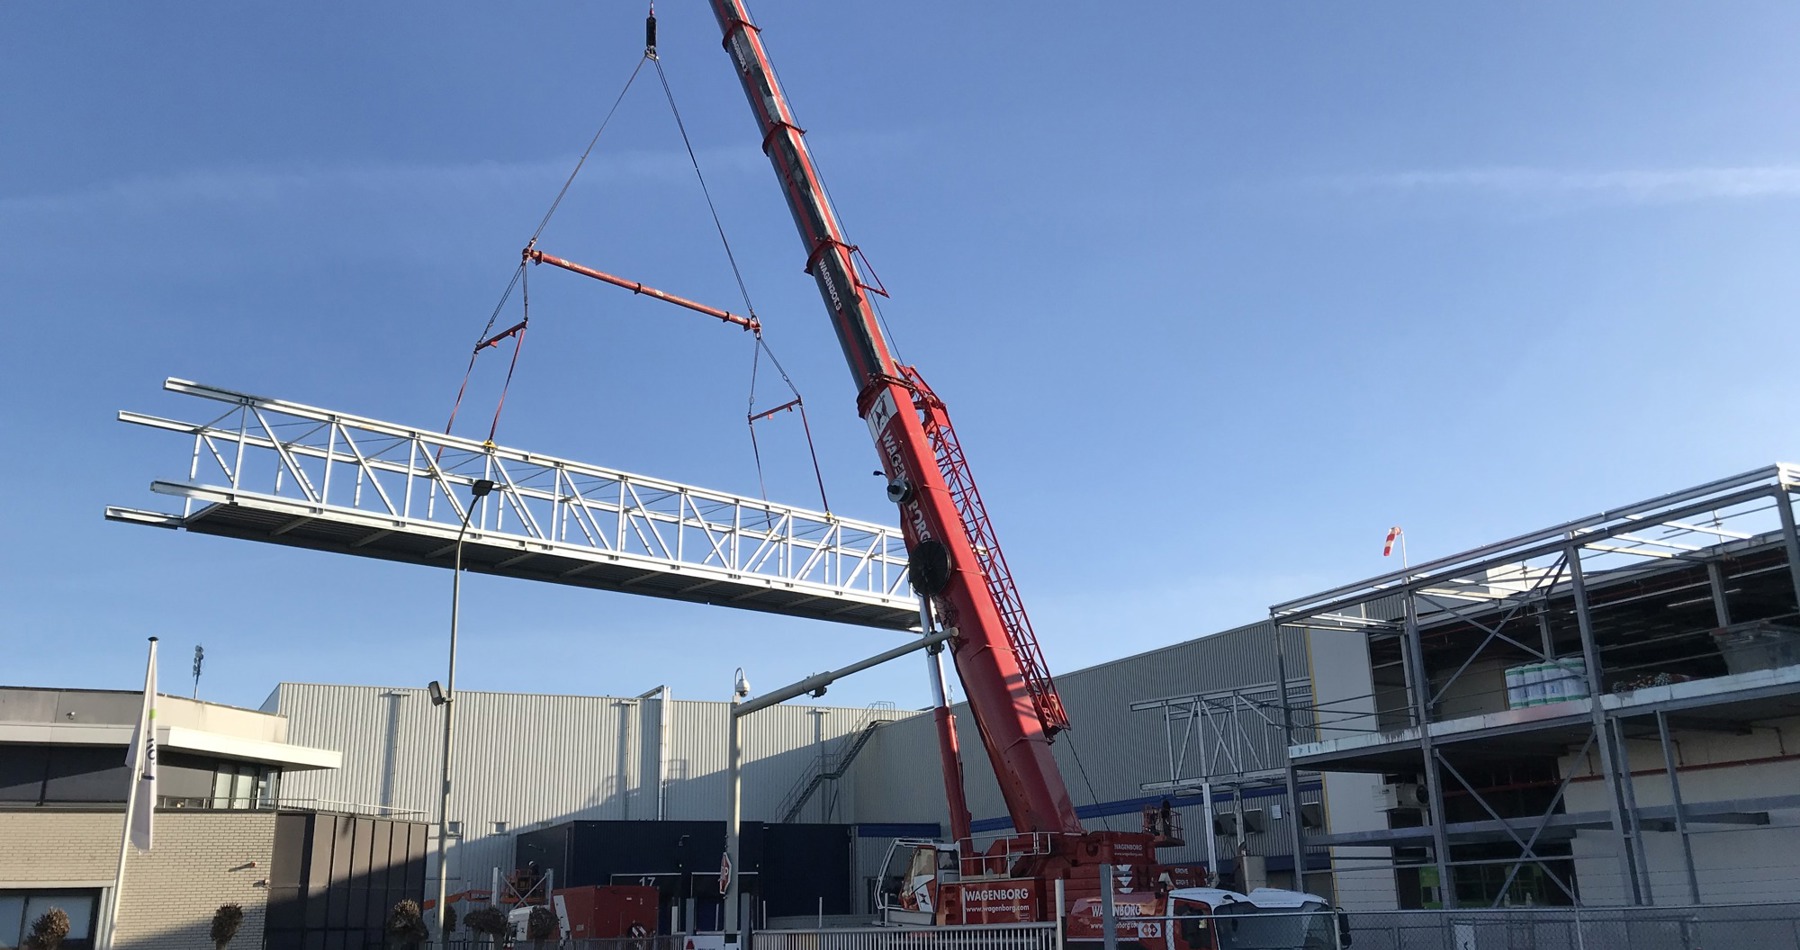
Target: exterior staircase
{"type": "Point", "coordinates": [833, 765]}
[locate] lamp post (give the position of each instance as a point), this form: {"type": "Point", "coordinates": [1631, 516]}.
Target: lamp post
{"type": "Point", "coordinates": [728, 883]}
{"type": "Point", "coordinates": [813, 685]}
{"type": "Point", "coordinates": [446, 698]}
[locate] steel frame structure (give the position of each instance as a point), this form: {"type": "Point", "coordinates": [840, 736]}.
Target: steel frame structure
{"type": "Point", "coordinates": [1241, 738]}
{"type": "Point", "coordinates": [283, 472]}
{"type": "Point", "coordinates": [1236, 735]}
{"type": "Point", "coordinates": [1504, 599]}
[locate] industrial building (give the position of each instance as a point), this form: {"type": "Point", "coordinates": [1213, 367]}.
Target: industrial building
{"type": "Point", "coordinates": [527, 763]}
{"type": "Point", "coordinates": [1679, 612]}
{"type": "Point", "coordinates": [1593, 713]}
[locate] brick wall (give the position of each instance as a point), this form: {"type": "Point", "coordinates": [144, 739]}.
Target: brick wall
{"type": "Point", "coordinates": [44, 846]}
{"type": "Point", "coordinates": [202, 859]}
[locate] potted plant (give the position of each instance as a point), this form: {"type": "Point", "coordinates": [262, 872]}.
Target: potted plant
{"type": "Point", "coordinates": [48, 931]}
{"type": "Point", "coordinates": [541, 926]}
{"type": "Point", "coordinates": [225, 923]}
{"type": "Point", "coordinates": [488, 920]}
{"type": "Point", "coordinates": [406, 924]}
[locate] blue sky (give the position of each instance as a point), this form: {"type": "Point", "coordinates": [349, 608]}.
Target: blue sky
{"type": "Point", "coordinates": [1216, 292]}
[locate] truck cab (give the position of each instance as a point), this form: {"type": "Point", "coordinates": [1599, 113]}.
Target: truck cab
{"type": "Point", "coordinates": [1267, 918]}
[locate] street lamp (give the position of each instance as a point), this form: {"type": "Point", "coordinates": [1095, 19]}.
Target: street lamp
{"type": "Point", "coordinates": [728, 880]}
{"type": "Point", "coordinates": [446, 698]}
{"type": "Point", "coordinates": [740, 691]}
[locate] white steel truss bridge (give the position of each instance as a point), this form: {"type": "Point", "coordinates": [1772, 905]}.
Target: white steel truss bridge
{"type": "Point", "coordinates": [281, 472]}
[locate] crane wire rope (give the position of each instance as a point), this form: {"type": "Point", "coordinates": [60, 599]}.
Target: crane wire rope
{"type": "Point", "coordinates": [520, 282]}
{"type": "Point", "coordinates": [760, 345]}
{"type": "Point", "coordinates": [518, 345]}
{"type": "Point", "coordinates": [519, 273]}
{"type": "Point", "coordinates": [1076, 752]}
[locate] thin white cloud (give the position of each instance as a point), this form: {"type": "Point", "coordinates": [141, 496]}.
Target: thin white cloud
{"type": "Point", "coordinates": [310, 184]}
{"type": "Point", "coordinates": [1638, 186]}
{"type": "Point", "coordinates": [273, 185]}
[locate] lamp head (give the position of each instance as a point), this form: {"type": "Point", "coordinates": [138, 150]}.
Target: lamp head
{"type": "Point", "coordinates": [480, 487]}
{"type": "Point", "coordinates": [437, 693]}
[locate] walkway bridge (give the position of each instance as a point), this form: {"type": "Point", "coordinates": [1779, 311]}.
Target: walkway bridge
{"type": "Point", "coordinates": [280, 472]}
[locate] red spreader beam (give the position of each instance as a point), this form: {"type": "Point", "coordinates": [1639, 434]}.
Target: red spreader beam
{"type": "Point", "coordinates": [536, 256]}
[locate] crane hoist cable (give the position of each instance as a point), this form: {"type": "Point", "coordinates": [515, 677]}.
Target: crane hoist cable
{"type": "Point", "coordinates": [795, 403]}
{"type": "Point", "coordinates": [531, 255]}
{"type": "Point", "coordinates": [485, 340]}
{"type": "Point", "coordinates": [761, 344]}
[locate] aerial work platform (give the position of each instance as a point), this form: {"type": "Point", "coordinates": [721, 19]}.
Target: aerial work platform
{"type": "Point", "coordinates": [281, 472]}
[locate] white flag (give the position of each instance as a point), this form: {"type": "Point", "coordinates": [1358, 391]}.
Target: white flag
{"type": "Point", "coordinates": [140, 758]}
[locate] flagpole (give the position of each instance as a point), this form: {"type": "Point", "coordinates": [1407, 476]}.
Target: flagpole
{"type": "Point", "coordinates": [112, 914]}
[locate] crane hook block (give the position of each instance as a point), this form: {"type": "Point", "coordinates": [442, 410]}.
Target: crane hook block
{"type": "Point", "coordinates": [928, 567]}
{"type": "Point", "coordinates": [650, 33]}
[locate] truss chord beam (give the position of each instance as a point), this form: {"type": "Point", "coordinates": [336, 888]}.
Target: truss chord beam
{"type": "Point", "coordinates": [1700, 500]}
{"type": "Point", "coordinates": [324, 485]}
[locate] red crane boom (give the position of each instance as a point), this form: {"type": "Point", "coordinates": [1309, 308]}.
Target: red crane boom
{"type": "Point", "coordinates": [955, 559]}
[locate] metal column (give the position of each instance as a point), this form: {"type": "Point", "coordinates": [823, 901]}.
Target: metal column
{"type": "Point", "coordinates": [1628, 789]}
{"type": "Point", "coordinates": [1687, 845]}
{"type": "Point", "coordinates": [1602, 739]}
{"type": "Point", "coordinates": [1434, 788]}
{"type": "Point", "coordinates": [1715, 576]}
{"type": "Point", "coordinates": [1293, 783]}
{"type": "Point", "coordinates": [1784, 507]}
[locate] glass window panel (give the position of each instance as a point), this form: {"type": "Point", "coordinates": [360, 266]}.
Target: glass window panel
{"type": "Point", "coordinates": [12, 920]}
{"type": "Point", "coordinates": [222, 787]}
{"type": "Point", "coordinates": [79, 905]}
{"type": "Point", "coordinates": [243, 786]}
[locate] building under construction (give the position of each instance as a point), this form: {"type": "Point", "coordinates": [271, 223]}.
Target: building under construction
{"type": "Point", "coordinates": [1596, 712]}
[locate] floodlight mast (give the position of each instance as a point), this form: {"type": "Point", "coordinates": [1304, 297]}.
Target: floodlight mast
{"type": "Point", "coordinates": [997, 658]}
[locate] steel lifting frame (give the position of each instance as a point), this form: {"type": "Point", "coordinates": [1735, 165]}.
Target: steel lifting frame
{"type": "Point", "coordinates": [1560, 562]}
{"type": "Point", "coordinates": [296, 474]}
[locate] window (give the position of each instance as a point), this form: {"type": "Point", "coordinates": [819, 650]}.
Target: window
{"type": "Point", "coordinates": [453, 828]}
{"type": "Point", "coordinates": [245, 785]}
{"type": "Point", "coordinates": [19, 909]}
{"type": "Point", "coordinates": [499, 827]}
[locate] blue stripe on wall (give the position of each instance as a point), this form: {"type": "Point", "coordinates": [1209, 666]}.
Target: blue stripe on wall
{"type": "Point", "coordinates": [1134, 805]}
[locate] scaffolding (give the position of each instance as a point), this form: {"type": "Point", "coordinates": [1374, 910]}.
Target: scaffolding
{"type": "Point", "coordinates": [1502, 675]}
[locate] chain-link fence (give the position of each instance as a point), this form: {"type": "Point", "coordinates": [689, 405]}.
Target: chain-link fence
{"type": "Point", "coordinates": [1709, 927]}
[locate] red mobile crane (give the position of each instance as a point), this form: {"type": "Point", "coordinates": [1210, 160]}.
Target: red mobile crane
{"type": "Point", "coordinates": [957, 567]}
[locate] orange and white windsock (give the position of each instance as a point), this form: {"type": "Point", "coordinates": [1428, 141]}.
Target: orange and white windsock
{"type": "Point", "coordinates": [1394, 534]}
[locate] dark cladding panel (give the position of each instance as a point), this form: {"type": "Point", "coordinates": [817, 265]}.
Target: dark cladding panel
{"type": "Point", "coordinates": [86, 774]}
{"type": "Point", "coordinates": [549, 848]}
{"type": "Point", "coordinates": [343, 846]}
{"type": "Point", "coordinates": [418, 841]}
{"type": "Point", "coordinates": [792, 867]}
{"type": "Point", "coordinates": [348, 873]}
{"type": "Point", "coordinates": [22, 769]}
{"type": "Point", "coordinates": [804, 864]}
{"type": "Point", "coordinates": [318, 869]}
{"type": "Point", "coordinates": [365, 904]}
{"type": "Point", "coordinates": [287, 885]}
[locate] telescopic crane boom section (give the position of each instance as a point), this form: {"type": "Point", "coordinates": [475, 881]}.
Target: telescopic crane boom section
{"type": "Point", "coordinates": [954, 558]}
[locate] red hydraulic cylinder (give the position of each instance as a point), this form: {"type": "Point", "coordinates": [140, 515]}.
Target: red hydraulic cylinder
{"type": "Point", "coordinates": [945, 565]}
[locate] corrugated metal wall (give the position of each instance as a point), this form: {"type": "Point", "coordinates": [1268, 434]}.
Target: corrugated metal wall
{"type": "Point", "coordinates": [524, 759]}
{"type": "Point", "coordinates": [1110, 748]}
{"type": "Point", "coordinates": [530, 759]}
